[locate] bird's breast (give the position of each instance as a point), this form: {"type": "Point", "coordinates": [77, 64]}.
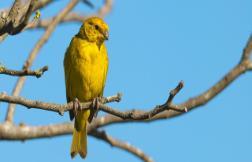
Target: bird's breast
{"type": "Point", "coordinates": [89, 73]}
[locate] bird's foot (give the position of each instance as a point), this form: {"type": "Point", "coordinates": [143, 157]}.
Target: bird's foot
{"type": "Point", "coordinates": [95, 108]}
{"type": "Point", "coordinates": [76, 106]}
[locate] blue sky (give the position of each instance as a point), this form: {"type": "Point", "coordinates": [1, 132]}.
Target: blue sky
{"type": "Point", "coordinates": [152, 46]}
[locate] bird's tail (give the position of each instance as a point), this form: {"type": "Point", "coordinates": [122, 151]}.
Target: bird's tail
{"type": "Point", "coordinates": [79, 142]}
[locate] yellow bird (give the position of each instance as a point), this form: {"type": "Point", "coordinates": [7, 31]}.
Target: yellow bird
{"type": "Point", "coordinates": [86, 66]}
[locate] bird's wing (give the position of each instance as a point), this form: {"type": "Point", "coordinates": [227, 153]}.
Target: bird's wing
{"type": "Point", "coordinates": [67, 69]}
{"type": "Point", "coordinates": [105, 71]}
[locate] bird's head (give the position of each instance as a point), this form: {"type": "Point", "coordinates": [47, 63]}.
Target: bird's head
{"type": "Point", "coordinates": [94, 29]}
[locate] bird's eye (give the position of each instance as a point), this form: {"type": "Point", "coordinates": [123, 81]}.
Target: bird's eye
{"type": "Point", "coordinates": [96, 27]}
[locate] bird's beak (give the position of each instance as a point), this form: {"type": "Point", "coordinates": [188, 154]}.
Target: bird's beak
{"type": "Point", "coordinates": [106, 35]}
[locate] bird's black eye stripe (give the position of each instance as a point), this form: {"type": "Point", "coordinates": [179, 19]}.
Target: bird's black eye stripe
{"type": "Point", "coordinates": [96, 27]}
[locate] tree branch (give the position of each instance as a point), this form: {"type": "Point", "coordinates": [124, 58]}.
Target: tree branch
{"type": "Point", "coordinates": [41, 4]}
{"type": "Point", "coordinates": [17, 18]}
{"type": "Point", "coordinates": [247, 50]}
{"type": "Point", "coordinates": [105, 9]}
{"type": "Point", "coordinates": [71, 17]}
{"type": "Point", "coordinates": [243, 66]}
{"type": "Point", "coordinates": [9, 131]}
{"type": "Point", "coordinates": [60, 108]}
{"type": "Point", "coordinates": [34, 53]}
{"type": "Point", "coordinates": [128, 115]}
{"type": "Point", "coordinates": [49, 29]}
{"type": "Point", "coordinates": [102, 135]}
{"type": "Point", "coordinates": [66, 128]}
{"type": "Point", "coordinates": [22, 132]}
{"type": "Point", "coordinates": [74, 17]}
{"type": "Point", "coordinates": [38, 73]}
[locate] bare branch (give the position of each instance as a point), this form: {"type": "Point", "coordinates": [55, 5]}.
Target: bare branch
{"type": "Point", "coordinates": [34, 53]}
{"type": "Point", "coordinates": [247, 51]}
{"type": "Point", "coordinates": [88, 3]}
{"type": "Point", "coordinates": [17, 18]}
{"type": "Point", "coordinates": [111, 119]}
{"type": "Point", "coordinates": [2, 37]}
{"type": "Point", "coordinates": [22, 132]}
{"type": "Point", "coordinates": [8, 131]}
{"type": "Point", "coordinates": [102, 135]}
{"type": "Point", "coordinates": [174, 92]}
{"type": "Point", "coordinates": [190, 104]}
{"type": "Point", "coordinates": [16, 21]}
{"type": "Point", "coordinates": [38, 73]}
{"type": "Point", "coordinates": [106, 8]}
{"type": "Point", "coordinates": [132, 114]}
{"type": "Point", "coordinates": [71, 17]}
{"type": "Point", "coordinates": [41, 4]}
{"type": "Point", "coordinates": [56, 107]}
{"type": "Point", "coordinates": [74, 17]}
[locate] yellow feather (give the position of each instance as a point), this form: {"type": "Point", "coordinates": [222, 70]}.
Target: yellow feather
{"type": "Point", "coordinates": [85, 65]}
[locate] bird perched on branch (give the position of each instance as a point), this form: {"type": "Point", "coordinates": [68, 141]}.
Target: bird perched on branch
{"type": "Point", "coordinates": [85, 65]}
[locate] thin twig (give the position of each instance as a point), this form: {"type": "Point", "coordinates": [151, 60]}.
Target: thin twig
{"type": "Point", "coordinates": [88, 3]}
{"type": "Point", "coordinates": [41, 4]}
{"type": "Point", "coordinates": [175, 91]}
{"type": "Point", "coordinates": [247, 50]}
{"type": "Point", "coordinates": [74, 17]}
{"type": "Point", "coordinates": [102, 135]}
{"type": "Point", "coordinates": [106, 8]}
{"type": "Point", "coordinates": [38, 73]}
{"type": "Point", "coordinates": [71, 17]}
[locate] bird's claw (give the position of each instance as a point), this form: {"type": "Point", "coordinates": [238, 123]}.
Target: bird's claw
{"type": "Point", "coordinates": [94, 109]}
{"type": "Point", "coordinates": [76, 106]}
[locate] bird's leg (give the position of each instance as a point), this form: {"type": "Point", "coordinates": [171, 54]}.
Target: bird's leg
{"type": "Point", "coordinates": [96, 106]}
{"type": "Point", "coordinates": [94, 109]}
{"type": "Point", "coordinates": [76, 106]}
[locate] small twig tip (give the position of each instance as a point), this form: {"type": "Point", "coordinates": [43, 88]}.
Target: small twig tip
{"type": "Point", "coordinates": [61, 113]}
{"type": "Point", "coordinates": [119, 96]}
{"type": "Point", "coordinates": [181, 84]}
{"type": "Point", "coordinates": [45, 68]}
{"type": "Point", "coordinates": [88, 3]}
